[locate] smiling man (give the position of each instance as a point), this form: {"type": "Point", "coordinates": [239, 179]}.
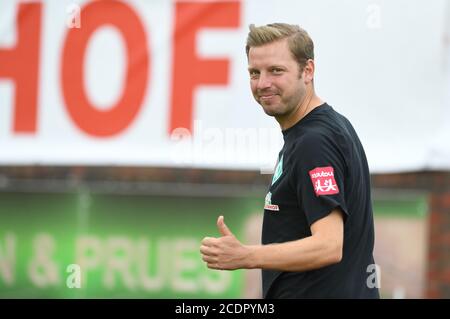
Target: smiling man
{"type": "Point", "coordinates": [318, 230]}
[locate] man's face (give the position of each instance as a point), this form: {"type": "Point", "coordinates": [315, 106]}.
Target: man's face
{"type": "Point", "coordinates": [275, 78]}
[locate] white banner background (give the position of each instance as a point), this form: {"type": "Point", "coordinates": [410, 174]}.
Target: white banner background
{"type": "Point", "coordinates": [380, 63]}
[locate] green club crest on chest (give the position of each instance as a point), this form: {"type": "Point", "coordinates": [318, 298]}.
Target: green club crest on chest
{"type": "Point", "coordinates": [278, 170]}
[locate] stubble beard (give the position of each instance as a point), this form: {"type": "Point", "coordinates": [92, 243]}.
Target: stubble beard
{"type": "Point", "coordinates": [282, 109]}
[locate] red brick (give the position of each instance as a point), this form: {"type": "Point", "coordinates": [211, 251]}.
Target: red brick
{"type": "Point", "coordinates": [433, 294]}
{"type": "Point", "coordinates": [435, 218]}
{"type": "Point", "coordinates": [445, 201]}
{"type": "Point", "coordinates": [445, 278]}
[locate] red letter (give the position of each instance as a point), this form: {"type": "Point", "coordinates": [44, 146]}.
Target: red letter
{"type": "Point", "coordinates": [22, 65]}
{"type": "Point", "coordinates": [91, 120]}
{"type": "Point", "coordinates": [188, 70]}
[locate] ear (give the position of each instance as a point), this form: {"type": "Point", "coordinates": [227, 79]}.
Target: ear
{"type": "Point", "coordinates": [308, 71]}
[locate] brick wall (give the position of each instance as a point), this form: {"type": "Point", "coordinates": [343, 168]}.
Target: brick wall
{"type": "Point", "coordinates": [439, 245]}
{"type": "Point", "coordinates": [437, 184]}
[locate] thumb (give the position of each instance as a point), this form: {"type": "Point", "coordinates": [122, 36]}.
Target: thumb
{"type": "Point", "coordinates": [224, 230]}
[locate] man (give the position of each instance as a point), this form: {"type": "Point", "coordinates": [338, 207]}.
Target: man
{"type": "Point", "coordinates": [318, 232]}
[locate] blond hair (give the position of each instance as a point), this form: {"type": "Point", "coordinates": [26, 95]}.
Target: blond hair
{"type": "Point", "coordinates": [299, 42]}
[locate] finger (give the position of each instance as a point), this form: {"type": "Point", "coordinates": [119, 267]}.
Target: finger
{"type": "Point", "coordinates": [209, 259]}
{"type": "Point", "coordinates": [209, 241]}
{"type": "Point", "coordinates": [205, 250]}
{"type": "Point", "coordinates": [224, 230]}
{"type": "Point", "coordinates": [213, 266]}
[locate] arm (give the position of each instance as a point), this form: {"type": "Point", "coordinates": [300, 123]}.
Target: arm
{"type": "Point", "coordinates": [322, 248]}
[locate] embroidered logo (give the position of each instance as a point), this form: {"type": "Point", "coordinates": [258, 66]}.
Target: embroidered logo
{"type": "Point", "coordinates": [268, 203]}
{"type": "Point", "coordinates": [278, 170]}
{"type": "Point", "coordinates": [323, 181]}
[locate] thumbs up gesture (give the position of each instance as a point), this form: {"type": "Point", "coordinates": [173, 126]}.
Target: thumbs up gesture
{"type": "Point", "coordinates": [223, 229]}
{"type": "Point", "coordinates": [225, 252]}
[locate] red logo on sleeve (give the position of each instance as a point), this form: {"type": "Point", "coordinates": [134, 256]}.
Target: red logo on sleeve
{"type": "Point", "coordinates": [323, 181]}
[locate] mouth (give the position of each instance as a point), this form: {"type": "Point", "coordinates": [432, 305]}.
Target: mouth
{"type": "Point", "coordinates": [267, 97]}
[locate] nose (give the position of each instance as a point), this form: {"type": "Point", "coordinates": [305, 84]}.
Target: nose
{"type": "Point", "coordinates": [263, 82]}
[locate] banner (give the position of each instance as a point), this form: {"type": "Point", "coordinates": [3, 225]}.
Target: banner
{"type": "Point", "coordinates": [165, 83]}
{"type": "Point", "coordinates": [85, 245]}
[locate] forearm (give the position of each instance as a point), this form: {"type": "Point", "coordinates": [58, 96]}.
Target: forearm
{"type": "Point", "coordinates": [300, 255]}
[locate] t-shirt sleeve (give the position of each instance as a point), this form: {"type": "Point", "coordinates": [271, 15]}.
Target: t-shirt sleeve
{"type": "Point", "coordinates": [319, 174]}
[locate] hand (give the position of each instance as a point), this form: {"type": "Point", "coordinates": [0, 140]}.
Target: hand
{"type": "Point", "coordinates": [225, 252]}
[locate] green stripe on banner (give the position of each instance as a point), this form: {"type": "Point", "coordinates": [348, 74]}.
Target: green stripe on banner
{"type": "Point", "coordinates": [126, 246]}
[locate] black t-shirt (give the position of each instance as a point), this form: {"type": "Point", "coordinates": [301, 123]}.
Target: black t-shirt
{"type": "Point", "coordinates": [322, 166]}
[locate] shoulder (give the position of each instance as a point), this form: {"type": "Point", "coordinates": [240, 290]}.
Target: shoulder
{"type": "Point", "coordinates": [318, 147]}
{"type": "Point", "coordinates": [327, 129]}
{"type": "Point", "coordinates": [314, 138]}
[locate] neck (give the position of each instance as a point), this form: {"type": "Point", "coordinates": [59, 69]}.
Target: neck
{"type": "Point", "coordinates": [309, 103]}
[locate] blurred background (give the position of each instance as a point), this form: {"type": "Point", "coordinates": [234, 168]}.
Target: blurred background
{"type": "Point", "coordinates": [128, 127]}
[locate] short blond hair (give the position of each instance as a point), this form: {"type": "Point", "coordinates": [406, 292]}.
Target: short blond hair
{"type": "Point", "coordinates": [299, 41]}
